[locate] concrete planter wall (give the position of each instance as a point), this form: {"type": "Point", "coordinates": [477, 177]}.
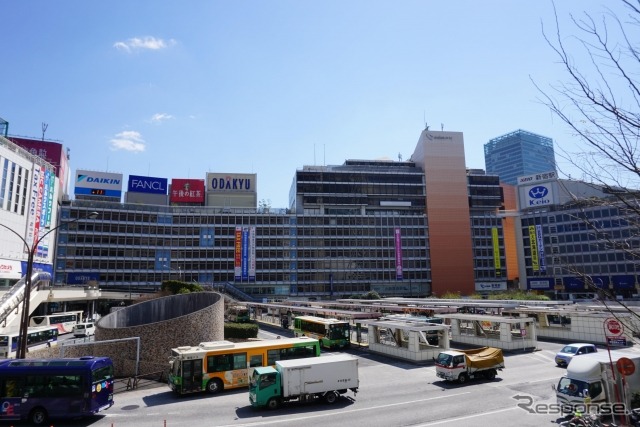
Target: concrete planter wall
{"type": "Point", "coordinates": [161, 324]}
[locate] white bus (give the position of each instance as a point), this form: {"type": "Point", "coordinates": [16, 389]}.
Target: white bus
{"type": "Point", "coordinates": [64, 321]}
{"type": "Point", "coordinates": [40, 337]}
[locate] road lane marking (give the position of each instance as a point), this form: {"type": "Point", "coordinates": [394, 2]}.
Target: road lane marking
{"type": "Point", "coordinates": [341, 413]}
{"type": "Point", "coordinates": [451, 420]}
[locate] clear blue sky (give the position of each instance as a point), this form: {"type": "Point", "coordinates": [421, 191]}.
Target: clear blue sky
{"type": "Point", "coordinates": [178, 89]}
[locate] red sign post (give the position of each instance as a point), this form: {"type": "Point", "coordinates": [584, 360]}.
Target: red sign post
{"type": "Point", "coordinates": [613, 329]}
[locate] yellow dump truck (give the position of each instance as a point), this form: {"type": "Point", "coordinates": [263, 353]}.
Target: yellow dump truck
{"type": "Point", "coordinates": [463, 365]}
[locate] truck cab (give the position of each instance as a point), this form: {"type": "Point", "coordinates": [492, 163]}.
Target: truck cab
{"type": "Point", "coordinates": [450, 365]}
{"type": "Point", "coordinates": [265, 388]}
{"type": "Point", "coordinates": [591, 376]}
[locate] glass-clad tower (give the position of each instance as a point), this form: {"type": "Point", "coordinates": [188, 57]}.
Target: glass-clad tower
{"type": "Point", "coordinates": [519, 153]}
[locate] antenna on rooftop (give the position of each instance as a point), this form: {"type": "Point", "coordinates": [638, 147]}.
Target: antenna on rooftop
{"type": "Point", "coordinates": [442, 126]}
{"type": "Point", "coordinates": [399, 157]}
{"type": "Point", "coordinates": [44, 129]}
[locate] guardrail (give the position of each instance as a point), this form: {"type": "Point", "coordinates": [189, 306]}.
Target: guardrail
{"type": "Point", "coordinates": [138, 381]}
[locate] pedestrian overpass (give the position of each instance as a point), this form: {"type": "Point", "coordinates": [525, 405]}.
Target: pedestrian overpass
{"type": "Point", "coordinates": [11, 300]}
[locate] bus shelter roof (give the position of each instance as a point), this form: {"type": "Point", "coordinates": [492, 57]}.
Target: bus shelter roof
{"type": "Point", "coordinates": [332, 312]}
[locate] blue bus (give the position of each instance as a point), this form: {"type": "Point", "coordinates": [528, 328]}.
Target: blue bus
{"type": "Point", "coordinates": [41, 389]}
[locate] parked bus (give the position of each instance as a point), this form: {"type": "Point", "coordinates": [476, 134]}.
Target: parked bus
{"type": "Point", "coordinates": [41, 389]}
{"type": "Point", "coordinates": [238, 314]}
{"type": "Point", "coordinates": [37, 338]}
{"type": "Point", "coordinates": [65, 321]}
{"type": "Point", "coordinates": [219, 365]}
{"type": "Point", "coordinates": [332, 333]}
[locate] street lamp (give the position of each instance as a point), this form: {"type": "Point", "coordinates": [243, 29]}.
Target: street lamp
{"type": "Point", "coordinates": [21, 352]}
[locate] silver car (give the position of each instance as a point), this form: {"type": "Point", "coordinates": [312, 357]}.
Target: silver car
{"type": "Point", "coordinates": [564, 356]}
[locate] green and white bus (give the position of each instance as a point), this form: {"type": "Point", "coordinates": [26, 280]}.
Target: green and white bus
{"type": "Point", "coordinates": [332, 333]}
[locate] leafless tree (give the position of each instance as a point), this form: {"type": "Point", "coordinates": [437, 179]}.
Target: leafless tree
{"type": "Point", "coordinates": [599, 101]}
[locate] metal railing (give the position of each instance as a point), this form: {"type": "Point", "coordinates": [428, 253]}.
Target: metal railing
{"type": "Point", "coordinates": [12, 299]}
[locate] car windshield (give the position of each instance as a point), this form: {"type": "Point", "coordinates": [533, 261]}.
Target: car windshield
{"type": "Point", "coordinates": [569, 349]}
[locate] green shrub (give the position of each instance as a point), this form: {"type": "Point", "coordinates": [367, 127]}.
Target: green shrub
{"type": "Point", "coordinates": [175, 287]}
{"type": "Point", "coordinates": [240, 330]}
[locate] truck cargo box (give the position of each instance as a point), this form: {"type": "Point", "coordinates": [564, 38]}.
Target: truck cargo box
{"type": "Point", "coordinates": [318, 374]}
{"type": "Point", "coordinates": [484, 357]}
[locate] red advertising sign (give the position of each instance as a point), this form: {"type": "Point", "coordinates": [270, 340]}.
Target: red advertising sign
{"type": "Point", "coordinates": [186, 191]}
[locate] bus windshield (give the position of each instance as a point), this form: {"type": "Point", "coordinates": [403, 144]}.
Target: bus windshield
{"type": "Point", "coordinates": [339, 331]}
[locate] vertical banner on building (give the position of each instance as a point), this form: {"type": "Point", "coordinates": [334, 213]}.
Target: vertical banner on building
{"type": "Point", "coordinates": [252, 254]}
{"type": "Point", "coordinates": [42, 204]}
{"type": "Point", "coordinates": [398, 244]}
{"type": "Point", "coordinates": [52, 189]}
{"type": "Point", "coordinates": [245, 253]}
{"type": "Point", "coordinates": [33, 224]}
{"type": "Point", "coordinates": [540, 239]}
{"type": "Point", "coordinates": [496, 251]}
{"type": "Point", "coordinates": [534, 248]}
{"type": "Point", "coordinates": [238, 254]}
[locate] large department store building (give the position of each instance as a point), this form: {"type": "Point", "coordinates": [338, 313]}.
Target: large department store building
{"type": "Point", "coordinates": [353, 228]}
{"type": "Point", "coordinates": [420, 227]}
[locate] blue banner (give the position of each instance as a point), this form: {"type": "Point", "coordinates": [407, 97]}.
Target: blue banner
{"type": "Point", "coordinates": [147, 184]}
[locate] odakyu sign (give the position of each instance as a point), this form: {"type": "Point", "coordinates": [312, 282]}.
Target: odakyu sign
{"type": "Point", "coordinates": [147, 184]}
{"type": "Point", "coordinates": [234, 183]}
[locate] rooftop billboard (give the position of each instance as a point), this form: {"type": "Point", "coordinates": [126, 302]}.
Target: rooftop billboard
{"type": "Point", "coordinates": [187, 191]}
{"type": "Point", "coordinates": [147, 184]}
{"type": "Point", "coordinates": [90, 183]}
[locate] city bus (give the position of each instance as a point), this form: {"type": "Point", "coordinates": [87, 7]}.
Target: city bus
{"type": "Point", "coordinates": [38, 390]}
{"type": "Point", "coordinates": [332, 333]}
{"type": "Point", "coordinates": [37, 338]}
{"type": "Point", "coordinates": [65, 321]}
{"type": "Point", "coordinates": [238, 314]}
{"type": "Point", "coordinates": [220, 365]}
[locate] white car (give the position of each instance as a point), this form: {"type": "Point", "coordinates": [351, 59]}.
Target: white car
{"type": "Point", "coordinates": [564, 356]}
{"type": "Point", "coordinates": [85, 329]}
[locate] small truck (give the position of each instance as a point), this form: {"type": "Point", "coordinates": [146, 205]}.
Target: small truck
{"type": "Point", "coordinates": [303, 380]}
{"type": "Point", "coordinates": [463, 365]}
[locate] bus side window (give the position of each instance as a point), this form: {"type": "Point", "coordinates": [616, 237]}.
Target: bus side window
{"type": "Point", "coordinates": [11, 387]}
{"type": "Point", "coordinates": [240, 361]}
{"type": "Point", "coordinates": [255, 361]}
{"type": "Point", "coordinates": [218, 363]}
{"type": "Point", "coordinates": [272, 356]}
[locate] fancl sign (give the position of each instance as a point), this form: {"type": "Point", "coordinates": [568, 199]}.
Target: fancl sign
{"type": "Point", "coordinates": [147, 184]}
{"type": "Point", "coordinates": [241, 183]}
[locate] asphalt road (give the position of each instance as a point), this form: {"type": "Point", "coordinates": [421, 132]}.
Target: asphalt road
{"type": "Point", "coordinates": [392, 393]}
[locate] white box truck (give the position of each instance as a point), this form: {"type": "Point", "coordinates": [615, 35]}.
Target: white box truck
{"type": "Point", "coordinates": [325, 377]}
{"type": "Point", "coordinates": [592, 376]}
